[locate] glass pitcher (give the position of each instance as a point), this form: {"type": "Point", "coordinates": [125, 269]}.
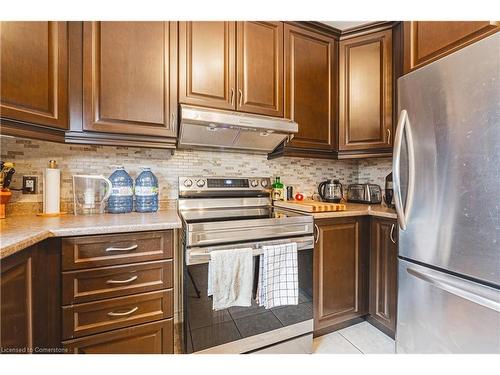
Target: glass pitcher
{"type": "Point", "coordinates": [90, 193]}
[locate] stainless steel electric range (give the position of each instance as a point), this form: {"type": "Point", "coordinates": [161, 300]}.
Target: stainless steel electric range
{"type": "Point", "coordinates": [230, 213]}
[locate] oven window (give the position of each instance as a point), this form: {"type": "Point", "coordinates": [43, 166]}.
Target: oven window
{"type": "Point", "coordinates": [206, 328]}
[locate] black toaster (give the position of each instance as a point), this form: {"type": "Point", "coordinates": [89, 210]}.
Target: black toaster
{"type": "Point", "coordinates": [364, 193]}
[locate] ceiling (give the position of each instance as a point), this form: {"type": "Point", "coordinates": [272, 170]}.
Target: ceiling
{"type": "Point", "coordinates": [344, 25]}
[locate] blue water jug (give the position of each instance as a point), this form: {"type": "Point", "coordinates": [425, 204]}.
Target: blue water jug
{"type": "Point", "coordinates": [146, 191]}
{"type": "Point", "coordinates": [121, 199]}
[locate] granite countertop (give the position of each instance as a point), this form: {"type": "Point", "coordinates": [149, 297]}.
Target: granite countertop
{"type": "Point", "coordinates": [19, 232]}
{"type": "Point", "coordinates": [357, 209]}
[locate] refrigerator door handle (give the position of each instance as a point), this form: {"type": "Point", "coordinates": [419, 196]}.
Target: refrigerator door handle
{"type": "Point", "coordinates": [403, 127]}
{"type": "Point", "coordinates": [481, 295]}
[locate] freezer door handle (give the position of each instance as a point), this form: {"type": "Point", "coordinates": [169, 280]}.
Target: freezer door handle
{"type": "Point", "coordinates": [481, 295]}
{"type": "Point", "coordinates": [403, 127]}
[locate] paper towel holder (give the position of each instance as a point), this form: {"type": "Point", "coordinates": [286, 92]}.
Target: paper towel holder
{"type": "Point", "coordinates": [55, 189]}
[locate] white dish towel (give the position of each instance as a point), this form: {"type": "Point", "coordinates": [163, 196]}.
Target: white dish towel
{"type": "Point", "coordinates": [230, 278]}
{"type": "Point", "coordinates": [278, 281]}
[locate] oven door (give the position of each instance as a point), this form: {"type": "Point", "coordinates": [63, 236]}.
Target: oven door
{"type": "Point", "coordinates": [244, 329]}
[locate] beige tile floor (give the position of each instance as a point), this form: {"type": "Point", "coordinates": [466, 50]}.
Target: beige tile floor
{"type": "Point", "coordinates": [362, 338]}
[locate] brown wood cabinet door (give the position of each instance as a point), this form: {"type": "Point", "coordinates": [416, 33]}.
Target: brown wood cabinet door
{"type": "Point", "coordinates": [365, 92]}
{"type": "Point", "coordinates": [16, 309]}
{"type": "Point", "coordinates": [340, 272]}
{"type": "Point", "coordinates": [207, 64]}
{"type": "Point", "coordinates": [260, 67]}
{"type": "Point", "coordinates": [152, 338]}
{"type": "Point", "coordinates": [129, 77]}
{"type": "Point", "coordinates": [383, 273]}
{"type": "Point", "coordinates": [426, 41]}
{"type": "Point", "coordinates": [34, 79]}
{"type": "Point", "coordinates": [30, 308]}
{"type": "Point", "coordinates": [310, 87]}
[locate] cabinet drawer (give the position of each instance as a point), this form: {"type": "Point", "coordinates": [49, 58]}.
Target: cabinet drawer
{"type": "Point", "coordinates": [106, 250]}
{"type": "Point", "coordinates": [150, 338]}
{"type": "Point", "coordinates": [95, 317]}
{"type": "Point", "coordinates": [106, 282]}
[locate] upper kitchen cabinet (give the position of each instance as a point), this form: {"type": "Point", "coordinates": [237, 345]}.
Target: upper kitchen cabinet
{"type": "Point", "coordinates": [34, 79]}
{"type": "Point", "coordinates": [207, 64]}
{"type": "Point", "coordinates": [260, 67]}
{"type": "Point", "coordinates": [232, 65]}
{"type": "Point", "coordinates": [366, 94]}
{"type": "Point", "coordinates": [129, 78]}
{"type": "Point", "coordinates": [427, 41]}
{"type": "Point", "coordinates": [310, 91]}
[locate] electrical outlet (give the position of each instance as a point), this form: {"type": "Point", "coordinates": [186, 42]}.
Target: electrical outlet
{"type": "Point", "coordinates": [29, 184]}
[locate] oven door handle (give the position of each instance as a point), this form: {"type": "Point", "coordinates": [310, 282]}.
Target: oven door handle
{"type": "Point", "coordinates": [198, 255]}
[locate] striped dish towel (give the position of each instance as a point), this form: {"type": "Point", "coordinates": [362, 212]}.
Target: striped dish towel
{"type": "Point", "coordinates": [278, 281]}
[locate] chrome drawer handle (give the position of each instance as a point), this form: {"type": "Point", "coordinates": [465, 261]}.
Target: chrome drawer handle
{"type": "Point", "coordinates": [133, 278]}
{"type": "Point", "coordinates": [131, 311]}
{"type": "Point", "coordinates": [133, 247]}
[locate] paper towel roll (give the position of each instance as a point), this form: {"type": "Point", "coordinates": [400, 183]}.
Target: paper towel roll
{"type": "Point", "coordinates": [51, 190]}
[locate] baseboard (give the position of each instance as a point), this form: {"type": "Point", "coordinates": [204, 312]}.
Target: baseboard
{"type": "Point", "coordinates": [381, 327]}
{"type": "Point", "coordinates": [337, 326]}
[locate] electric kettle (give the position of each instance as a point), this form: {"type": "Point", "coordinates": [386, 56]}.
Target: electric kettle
{"type": "Point", "coordinates": [330, 191]}
{"type": "Point", "coordinates": [90, 193]}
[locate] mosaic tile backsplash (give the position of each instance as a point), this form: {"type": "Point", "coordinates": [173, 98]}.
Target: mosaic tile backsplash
{"type": "Point", "coordinates": [31, 157]}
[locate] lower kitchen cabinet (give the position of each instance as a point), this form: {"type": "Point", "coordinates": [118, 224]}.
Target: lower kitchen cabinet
{"type": "Point", "coordinates": [340, 272]}
{"type": "Point", "coordinates": [118, 293]}
{"type": "Point", "coordinates": [383, 275]}
{"type": "Point", "coordinates": [30, 300]}
{"type": "Point", "coordinates": [151, 338]}
{"type": "Point", "coordinates": [17, 302]}
{"type": "Point", "coordinates": [355, 273]}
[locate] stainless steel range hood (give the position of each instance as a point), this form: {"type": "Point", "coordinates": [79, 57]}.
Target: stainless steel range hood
{"type": "Point", "coordinates": [230, 131]}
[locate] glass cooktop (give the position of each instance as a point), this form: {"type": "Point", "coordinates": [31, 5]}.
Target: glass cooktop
{"type": "Point", "coordinates": [228, 214]}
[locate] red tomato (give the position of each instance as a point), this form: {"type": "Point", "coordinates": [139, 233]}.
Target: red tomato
{"type": "Point", "coordinates": [299, 197]}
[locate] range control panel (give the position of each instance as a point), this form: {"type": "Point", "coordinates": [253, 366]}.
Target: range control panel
{"type": "Point", "coordinates": [224, 183]}
{"type": "Point", "coordinates": [228, 183]}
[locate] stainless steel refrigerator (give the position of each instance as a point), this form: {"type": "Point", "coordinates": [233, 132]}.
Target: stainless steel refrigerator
{"type": "Point", "coordinates": [446, 170]}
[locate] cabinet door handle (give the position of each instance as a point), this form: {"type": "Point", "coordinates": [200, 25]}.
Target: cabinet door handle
{"type": "Point", "coordinates": [172, 120]}
{"type": "Point", "coordinates": [241, 97]}
{"type": "Point", "coordinates": [392, 234]}
{"type": "Point", "coordinates": [131, 311]}
{"type": "Point", "coordinates": [232, 96]}
{"type": "Point", "coordinates": [133, 247]}
{"type": "Point", "coordinates": [316, 235]}
{"type": "Point", "coordinates": [389, 136]}
{"type": "Point", "coordinates": [129, 280]}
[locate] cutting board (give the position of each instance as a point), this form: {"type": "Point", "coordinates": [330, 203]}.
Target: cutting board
{"type": "Point", "coordinates": [310, 206]}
